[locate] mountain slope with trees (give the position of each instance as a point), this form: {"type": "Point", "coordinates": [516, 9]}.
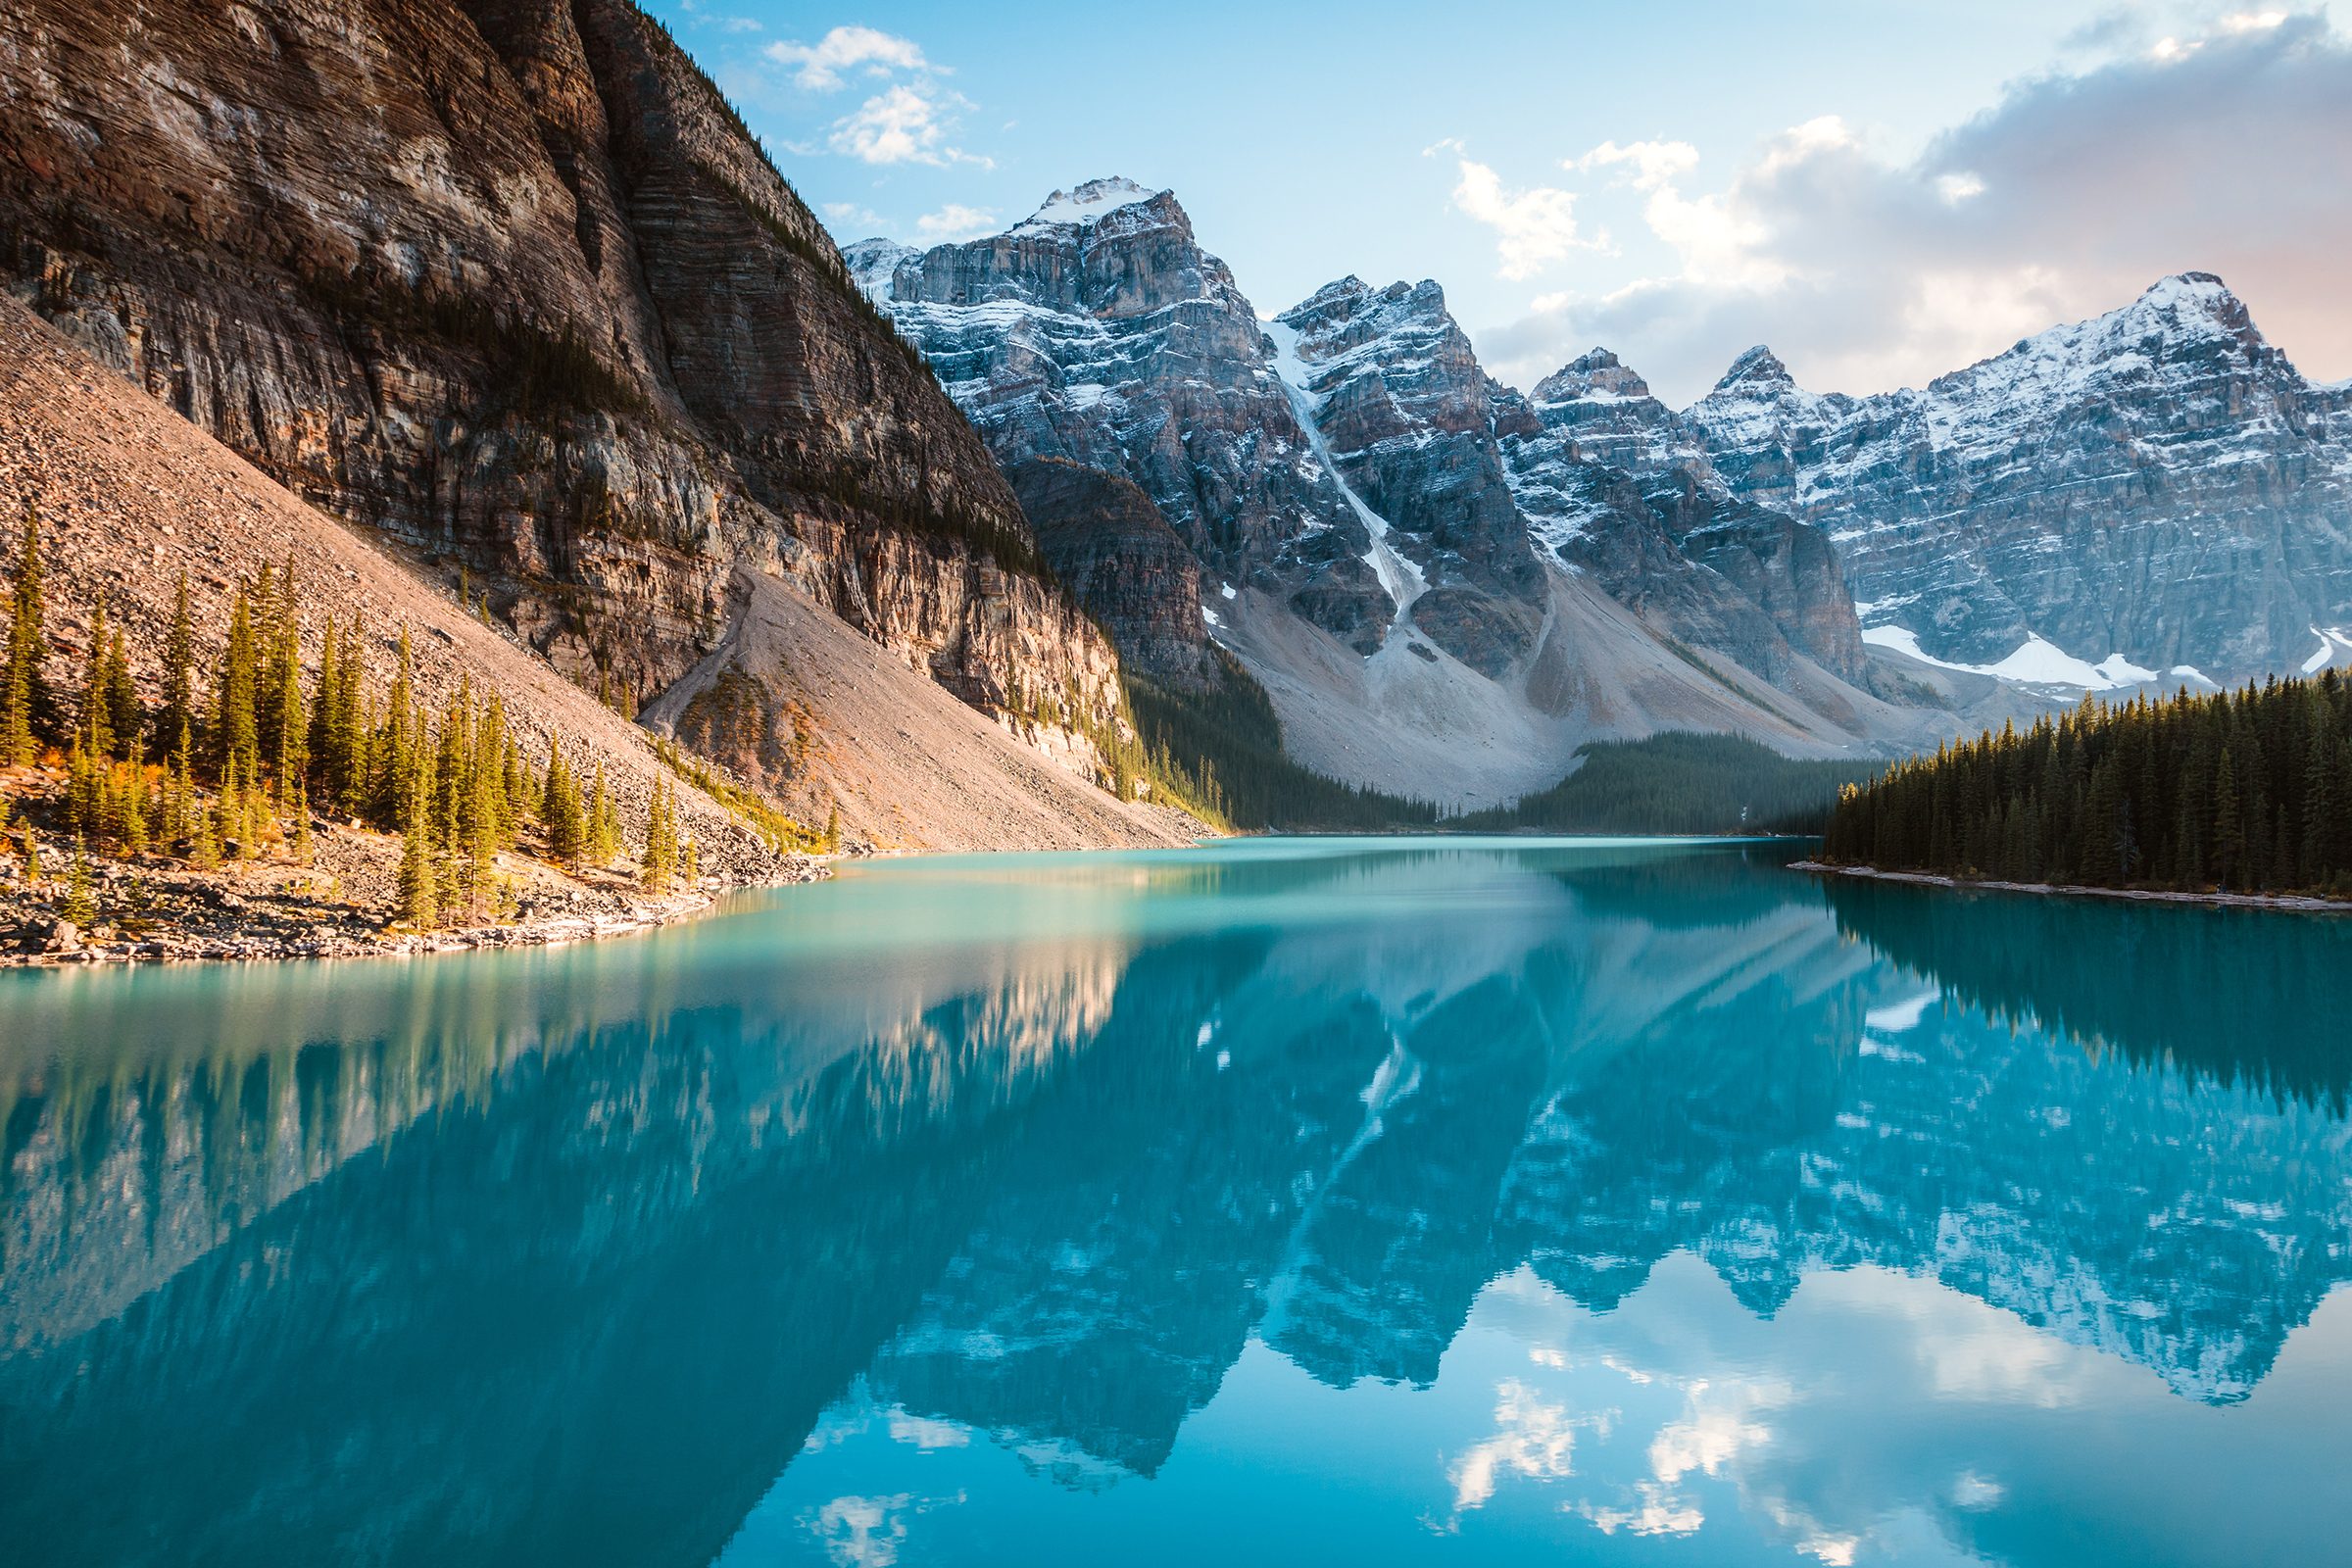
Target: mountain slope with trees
{"type": "Point", "coordinates": [510, 282]}
{"type": "Point", "coordinates": [328, 734]}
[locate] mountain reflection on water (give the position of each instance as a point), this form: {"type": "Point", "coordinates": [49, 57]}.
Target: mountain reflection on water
{"type": "Point", "coordinates": [1419, 1198]}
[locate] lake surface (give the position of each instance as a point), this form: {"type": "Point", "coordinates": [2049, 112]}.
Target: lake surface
{"type": "Point", "coordinates": [1487, 1202]}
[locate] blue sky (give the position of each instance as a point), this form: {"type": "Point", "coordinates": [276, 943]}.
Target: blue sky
{"type": "Point", "coordinates": [1882, 191]}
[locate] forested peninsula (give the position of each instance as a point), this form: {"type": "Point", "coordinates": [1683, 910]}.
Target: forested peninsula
{"type": "Point", "coordinates": [2246, 792]}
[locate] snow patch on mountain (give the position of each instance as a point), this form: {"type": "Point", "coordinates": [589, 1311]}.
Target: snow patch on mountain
{"type": "Point", "coordinates": [2335, 648]}
{"type": "Point", "coordinates": [2037, 661]}
{"type": "Point", "coordinates": [1400, 578]}
{"type": "Point", "coordinates": [1089, 203]}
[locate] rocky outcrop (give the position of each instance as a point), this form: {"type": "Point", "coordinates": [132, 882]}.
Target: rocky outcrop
{"type": "Point", "coordinates": [1711, 569]}
{"type": "Point", "coordinates": [1117, 555]}
{"type": "Point", "coordinates": [1099, 332]}
{"type": "Point", "coordinates": [509, 280]}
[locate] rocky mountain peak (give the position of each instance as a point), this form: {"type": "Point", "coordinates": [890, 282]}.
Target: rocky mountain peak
{"type": "Point", "coordinates": [2174, 467]}
{"type": "Point", "coordinates": [873, 263]}
{"type": "Point", "coordinates": [1759, 370]}
{"type": "Point", "coordinates": [1598, 375]}
{"type": "Point", "coordinates": [1339, 297]}
{"type": "Point", "coordinates": [1086, 205]}
{"type": "Point", "coordinates": [1370, 312]}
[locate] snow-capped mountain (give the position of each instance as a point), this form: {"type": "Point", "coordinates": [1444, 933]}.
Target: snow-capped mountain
{"type": "Point", "coordinates": [1390, 384]}
{"type": "Point", "coordinates": [1362, 501]}
{"type": "Point", "coordinates": [2155, 494]}
{"type": "Point", "coordinates": [1099, 331]}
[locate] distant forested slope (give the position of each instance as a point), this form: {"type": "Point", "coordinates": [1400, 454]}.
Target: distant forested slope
{"type": "Point", "coordinates": [1682, 782]}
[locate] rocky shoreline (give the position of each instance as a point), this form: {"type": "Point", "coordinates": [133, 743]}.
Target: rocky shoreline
{"type": "Point", "coordinates": [2297, 904]}
{"type": "Point", "coordinates": [237, 927]}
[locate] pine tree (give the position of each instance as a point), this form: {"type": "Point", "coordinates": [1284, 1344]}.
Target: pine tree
{"type": "Point", "coordinates": [132, 812]}
{"type": "Point", "coordinates": [448, 794]}
{"type": "Point", "coordinates": [484, 833]}
{"type": "Point", "coordinates": [327, 746]}
{"type": "Point", "coordinates": [560, 811]}
{"type": "Point", "coordinates": [206, 856]}
{"type": "Point", "coordinates": [178, 713]}
{"type": "Point", "coordinates": [659, 863]}
{"type": "Point", "coordinates": [94, 729]}
{"type": "Point", "coordinates": [604, 822]}
{"type": "Point", "coordinates": [236, 731]}
{"type": "Point", "coordinates": [122, 700]}
{"type": "Point", "coordinates": [81, 902]}
{"type": "Point", "coordinates": [394, 746]}
{"type": "Point", "coordinates": [417, 883]}
{"type": "Point", "coordinates": [84, 803]}
{"type": "Point", "coordinates": [285, 730]}
{"type": "Point", "coordinates": [23, 689]}
{"type": "Point", "coordinates": [2229, 822]}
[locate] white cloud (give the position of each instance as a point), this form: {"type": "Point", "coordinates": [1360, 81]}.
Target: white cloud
{"type": "Point", "coordinates": [907, 124]}
{"type": "Point", "coordinates": [1532, 1439]}
{"type": "Point", "coordinates": [2066, 198]}
{"type": "Point", "coordinates": [1654, 163]}
{"type": "Point", "coordinates": [1534, 228]}
{"type": "Point", "coordinates": [1956, 189]}
{"type": "Point", "coordinates": [856, 215]}
{"type": "Point", "coordinates": [820, 65]}
{"type": "Point", "coordinates": [955, 221]}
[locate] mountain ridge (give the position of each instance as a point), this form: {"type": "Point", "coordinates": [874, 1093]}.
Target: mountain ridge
{"type": "Point", "coordinates": [1339, 469]}
{"type": "Point", "coordinates": [2170, 418]}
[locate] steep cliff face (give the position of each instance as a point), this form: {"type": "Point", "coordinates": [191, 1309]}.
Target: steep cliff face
{"type": "Point", "coordinates": [1714, 569]}
{"type": "Point", "coordinates": [1395, 392]}
{"type": "Point", "coordinates": [2157, 491]}
{"type": "Point", "coordinates": [508, 280]}
{"type": "Point", "coordinates": [1116, 554]}
{"type": "Point", "coordinates": [1101, 333]}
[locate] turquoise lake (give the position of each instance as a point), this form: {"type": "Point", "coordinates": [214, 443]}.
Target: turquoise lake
{"type": "Point", "coordinates": [1366, 1202]}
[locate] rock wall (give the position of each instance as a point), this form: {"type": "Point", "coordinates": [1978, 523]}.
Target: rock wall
{"type": "Point", "coordinates": [509, 280]}
{"type": "Point", "coordinates": [1122, 562]}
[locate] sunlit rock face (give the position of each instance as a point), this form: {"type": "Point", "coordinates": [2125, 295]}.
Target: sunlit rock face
{"type": "Point", "coordinates": [2158, 483]}
{"type": "Point", "coordinates": [511, 285]}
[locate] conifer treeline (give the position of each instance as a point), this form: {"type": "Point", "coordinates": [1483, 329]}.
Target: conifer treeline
{"type": "Point", "coordinates": [234, 769]}
{"type": "Point", "coordinates": [2247, 791]}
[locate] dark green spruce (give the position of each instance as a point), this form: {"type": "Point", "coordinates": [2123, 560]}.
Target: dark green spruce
{"type": "Point", "coordinates": [2243, 792]}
